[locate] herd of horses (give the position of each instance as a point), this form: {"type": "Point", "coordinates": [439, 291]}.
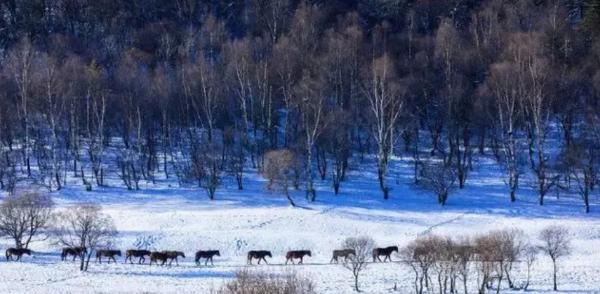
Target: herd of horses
{"type": "Point", "coordinates": [167, 257]}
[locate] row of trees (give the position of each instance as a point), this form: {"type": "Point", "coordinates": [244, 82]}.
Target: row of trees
{"type": "Point", "coordinates": [454, 264]}
{"type": "Point", "coordinates": [29, 216]}
{"type": "Point", "coordinates": [199, 91]}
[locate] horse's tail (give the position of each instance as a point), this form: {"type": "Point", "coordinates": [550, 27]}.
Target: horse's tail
{"type": "Point", "coordinates": [7, 254]}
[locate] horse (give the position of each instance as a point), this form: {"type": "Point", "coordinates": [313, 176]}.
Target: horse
{"type": "Point", "coordinates": [173, 255]}
{"type": "Point", "coordinates": [158, 256]}
{"type": "Point", "coordinates": [296, 254]}
{"type": "Point", "coordinates": [107, 253]}
{"type": "Point", "coordinates": [345, 253]}
{"type": "Point", "coordinates": [209, 254]}
{"type": "Point", "coordinates": [259, 254]}
{"type": "Point", "coordinates": [140, 254]}
{"type": "Point", "coordinates": [18, 252]}
{"type": "Point", "coordinates": [387, 252]}
{"type": "Point", "coordinates": [75, 251]}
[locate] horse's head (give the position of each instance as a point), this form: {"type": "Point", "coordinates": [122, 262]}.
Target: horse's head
{"type": "Point", "coordinates": [179, 253]}
{"type": "Point", "coordinates": [269, 254]}
{"type": "Point", "coordinates": [118, 253]}
{"type": "Point", "coordinates": [217, 253]}
{"type": "Point", "coordinates": [308, 253]}
{"type": "Point", "coordinates": [394, 248]}
{"type": "Point", "coordinates": [27, 251]}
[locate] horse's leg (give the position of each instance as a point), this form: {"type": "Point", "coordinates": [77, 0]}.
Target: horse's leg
{"type": "Point", "coordinates": [266, 260]}
{"type": "Point", "coordinates": [301, 260]}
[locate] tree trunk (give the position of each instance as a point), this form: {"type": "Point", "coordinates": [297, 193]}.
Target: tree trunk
{"type": "Point", "coordinates": [554, 275]}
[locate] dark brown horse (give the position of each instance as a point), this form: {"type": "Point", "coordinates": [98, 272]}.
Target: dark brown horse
{"type": "Point", "coordinates": [158, 256]}
{"type": "Point", "coordinates": [140, 254]}
{"type": "Point", "coordinates": [259, 254]}
{"type": "Point", "coordinates": [18, 252]}
{"type": "Point", "coordinates": [173, 255]}
{"type": "Point", "coordinates": [107, 253]}
{"type": "Point", "coordinates": [75, 251]}
{"type": "Point", "coordinates": [209, 254]}
{"type": "Point", "coordinates": [345, 253]}
{"type": "Point", "coordinates": [387, 252]}
{"type": "Point", "coordinates": [296, 254]}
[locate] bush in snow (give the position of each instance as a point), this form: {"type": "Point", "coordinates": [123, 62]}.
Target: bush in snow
{"type": "Point", "coordinates": [246, 282]}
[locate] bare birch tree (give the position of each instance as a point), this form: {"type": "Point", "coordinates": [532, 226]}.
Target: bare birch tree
{"type": "Point", "coordinates": [384, 93]}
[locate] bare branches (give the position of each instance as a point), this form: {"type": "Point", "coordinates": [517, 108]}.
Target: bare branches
{"type": "Point", "coordinates": [278, 169]}
{"type": "Point", "coordinates": [384, 95]}
{"type": "Point", "coordinates": [24, 216]}
{"type": "Point", "coordinates": [556, 243]}
{"type": "Point", "coordinates": [357, 262]}
{"type": "Point", "coordinates": [85, 226]}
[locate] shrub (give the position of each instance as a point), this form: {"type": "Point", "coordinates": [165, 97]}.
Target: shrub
{"type": "Point", "coordinates": [246, 282]}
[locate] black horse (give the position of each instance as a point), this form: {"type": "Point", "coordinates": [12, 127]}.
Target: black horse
{"type": "Point", "coordinates": [259, 254]}
{"type": "Point", "coordinates": [18, 252]}
{"type": "Point", "coordinates": [107, 253]}
{"type": "Point", "coordinates": [140, 254]}
{"type": "Point", "coordinates": [208, 254]}
{"type": "Point", "coordinates": [345, 253]}
{"type": "Point", "coordinates": [156, 256]}
{"type": "Point", "coordinates": [75, 251]}
{"type": "Point", "coordinates": [296, 254]}
{"type": "Point", "coordinates": [387, 252]}
{"type": "Point", "coordinates": [173, 255]}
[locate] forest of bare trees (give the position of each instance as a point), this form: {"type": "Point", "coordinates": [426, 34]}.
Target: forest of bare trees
{"type": "Point", "coordinates": [203, 90]}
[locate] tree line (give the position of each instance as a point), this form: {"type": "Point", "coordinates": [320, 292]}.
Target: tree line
{"type": "Point", "coordinates": [200, 90]}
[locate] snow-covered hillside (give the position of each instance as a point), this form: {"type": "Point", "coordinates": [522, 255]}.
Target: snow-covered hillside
{"type": "Point", "coordinates": [184, 219]}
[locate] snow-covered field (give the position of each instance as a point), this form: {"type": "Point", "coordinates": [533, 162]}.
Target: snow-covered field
{"type": "Point", "coordinates": [184, 219]}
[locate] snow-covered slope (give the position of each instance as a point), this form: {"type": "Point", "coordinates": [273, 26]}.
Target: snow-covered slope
{"type": "Point", "coordinates": [184, 219]}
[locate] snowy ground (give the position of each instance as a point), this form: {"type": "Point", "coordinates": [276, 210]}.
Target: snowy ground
{"type": "Point", "coordinates": [238, 221]}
